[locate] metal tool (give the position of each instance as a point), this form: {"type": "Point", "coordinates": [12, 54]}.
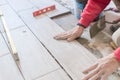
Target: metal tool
{"type": "Point", "coordinates": [97, 26]}
{"type": "Point", "coordinates": [10, 44]}
{"type": "Point", "coordinates": [10, 41]}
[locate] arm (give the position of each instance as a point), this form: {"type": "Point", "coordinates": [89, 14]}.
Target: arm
{"type": "Point", "coordinates": [102, 69]}
{"type": "Point", "coordinates": [92, 10]}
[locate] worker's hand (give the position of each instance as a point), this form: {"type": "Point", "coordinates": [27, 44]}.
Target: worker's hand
{"type": "Point", "coordinates": [102, 69]}
{"type": "Point", "coordinates": [71, 34]}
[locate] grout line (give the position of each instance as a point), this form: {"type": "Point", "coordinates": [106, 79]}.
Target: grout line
{"type": "Point", "coordinates": [23, 10]}
{"type": "Point", "coordinates": [49, 52]}
{"type": "Point", "coordinates": [46, 74]}
{"type": "Point", "coordinates": [4, 54]}
{"type": "Point", "coordinates": [17, 27]}
{"type": "Point", "coordinates": [57, 62]}
{"type": "Point", "coordinates": [5, 40]}
{"type": "Point", "coordinates": [43, 44]}
{"type": "Point", "coordinates": [18, 10]}
{"type": "Point", "coordinates": [3, 4]}
{"type": "Point", "coordinates": [14, 28]}
{"type": "Point", "coordinates": [60, 15]}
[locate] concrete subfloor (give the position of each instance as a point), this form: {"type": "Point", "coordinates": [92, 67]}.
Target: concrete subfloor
{"type": "Point", "coordinates": [100, 44]}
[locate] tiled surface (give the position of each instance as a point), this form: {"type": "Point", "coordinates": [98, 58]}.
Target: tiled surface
{"type": "Point", "coordinates": [56, 75]}
{"type": "Point", "coordinates": [12, 19]}
{"type": "Point", "coordinates": [44, 28]}
{"type": "Point", "coordinates": [19, 5]}
{"type": "Point", "coordinates": [37, 49]}
{"type": "Point", "coordinates": [3, 47]}
{"type": "Point", "coordinates": [8, 69]}
{"type": "Point", "coordinates": [34, 58]}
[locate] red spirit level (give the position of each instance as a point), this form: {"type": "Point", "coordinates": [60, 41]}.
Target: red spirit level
{"type": "Point", "coordinates": [44, 10]}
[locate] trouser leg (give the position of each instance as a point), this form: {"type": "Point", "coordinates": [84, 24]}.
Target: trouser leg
{"type": "Point", "coordinates": [78, 9]}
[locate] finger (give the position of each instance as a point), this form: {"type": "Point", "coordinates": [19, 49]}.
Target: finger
{"type": "Point", "coordinates": [59, 36]}
{"type": "Point", "coordinates": [90, 68]}
{"type": "Point", "coordinates": [91, 74]}
{"type": "Point", "coordinates": [97, 76]}
{"type": "Point", "coordinates": [71, 38]}
{"type": "Point", "coordinates": [74, 36]}
{"type": "Point", "coordinates": [62, 36]}
{"type": "Point", "coordinates": [105, 77]}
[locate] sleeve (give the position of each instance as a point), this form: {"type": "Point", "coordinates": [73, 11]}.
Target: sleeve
{"type": "Point", "coordinates": [117, 54]}
{"type": "Point", "coordinates": [92, 10]}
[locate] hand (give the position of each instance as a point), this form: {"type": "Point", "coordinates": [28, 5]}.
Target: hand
{"type": "Point", "coordinates": [71, 34]}
{"type": "Point", "coordinates": [102, 69]}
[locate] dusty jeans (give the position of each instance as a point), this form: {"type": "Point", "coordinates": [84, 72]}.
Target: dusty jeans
{"type": "Point", "coordinates": [79, 6]}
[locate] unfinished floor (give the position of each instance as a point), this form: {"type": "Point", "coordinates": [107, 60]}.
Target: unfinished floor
{"type": "Point", "coordinates": [41, 57]}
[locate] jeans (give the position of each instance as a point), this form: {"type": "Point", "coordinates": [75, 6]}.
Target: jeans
{"type": "Point", "coordinates": [79, 6]}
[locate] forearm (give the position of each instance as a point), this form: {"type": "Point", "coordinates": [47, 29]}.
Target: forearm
{"type": "Point", "coordinates": [117, 54]}
{"type": "Point", "coordinates": [92, 10]}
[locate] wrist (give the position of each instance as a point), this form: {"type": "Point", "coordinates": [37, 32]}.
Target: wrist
{"type": "Point", "coordinates": [80, 28]}
{"type": "Point", "coordinates": [80, 25]}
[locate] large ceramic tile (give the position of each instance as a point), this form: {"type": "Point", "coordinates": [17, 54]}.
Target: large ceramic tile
{"type": "Point", "coordinates": [56, 75]}
{"type": "Point", "coordinates": [2, 2]}
{"type": "Point", "coordinates": [35, 60]}
{"type": "Point", "coordinates": [8, 69]}
{"type": "Point", "coordinates": [71, 55]}
{"type": "Point", "coordinates": [11, 18]}
{"type": "Point", "coordinates": [19, 5]}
